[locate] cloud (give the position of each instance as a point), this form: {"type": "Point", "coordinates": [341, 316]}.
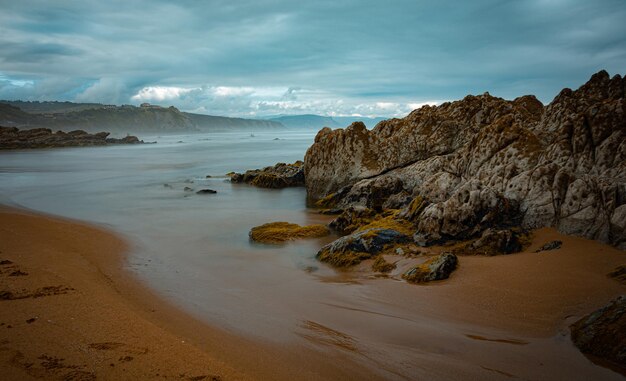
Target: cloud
{"type": "Point", "coordinates": [252, 57]}
{"type": "Point", "coordinates": [159, 93]}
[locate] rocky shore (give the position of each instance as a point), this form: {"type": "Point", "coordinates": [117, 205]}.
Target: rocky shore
{"type": "Point", "coordinates": [475, 177]}
{"type": "Point", "coordinates": [279, 176]}
{"type": "Point", "coordinates": [14, 138]}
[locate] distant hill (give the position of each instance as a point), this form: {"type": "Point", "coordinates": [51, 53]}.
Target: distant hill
{"type": "Point", "coordinates": [67, 116]}
{"type": "Point", "coordinates": [318, 121]}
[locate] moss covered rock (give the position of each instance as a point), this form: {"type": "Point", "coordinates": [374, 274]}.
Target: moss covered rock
{"type": "Point", "coordinates": [436, 268]}
{"type": "Point", "coordinates": [364, 244]}
{"type": "Point", "coordinates": [277, 232]}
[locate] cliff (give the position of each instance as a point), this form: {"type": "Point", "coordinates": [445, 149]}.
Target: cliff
{"type": "Point", "coordinates": [118, 119]}
{"type": "Point", "coordinates": [484, 161]}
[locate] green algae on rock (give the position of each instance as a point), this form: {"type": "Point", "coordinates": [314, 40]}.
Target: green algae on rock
{"type": "Point", "coordinates": [436, 268]}
{"type": "Point", "coordinates": [277, 232]}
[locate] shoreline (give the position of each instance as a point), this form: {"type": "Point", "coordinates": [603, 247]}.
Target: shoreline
{"type": "Point", "coordinates": [161, 340]}
{"type": "Point", "coordinates": [140, 324]}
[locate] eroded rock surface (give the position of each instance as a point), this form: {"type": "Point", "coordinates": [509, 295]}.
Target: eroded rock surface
{"type": "Point", "coordinates": [437, 268]}
{"type": "Point", "coordinates": [487, 163]}
{"type": "Point", "coordinates": [364, 244]}
{"type": "Point", "coordinates": [603, 333]}
{"type": "Point", "coordinates": [279, 176]}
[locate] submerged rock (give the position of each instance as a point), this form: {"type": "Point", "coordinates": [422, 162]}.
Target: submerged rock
{"type": "Point", "coordinates": [206, 191]}
{"type": "Point", "coordinates": [279, 176]}
{"type": "Point", "coordinates": [277, 232]}
{"type": "Point", "coordinates": [484, 162]}
{"type": "Point", "coordinates": [436, 268]}
{"type": "Point", "coordinates": [603, 333]}
{"type": "Point", "coordinates": [352, 249]}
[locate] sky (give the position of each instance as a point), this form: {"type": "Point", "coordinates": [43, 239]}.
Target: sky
{"type": "Point", "coordinates": [340, 57]}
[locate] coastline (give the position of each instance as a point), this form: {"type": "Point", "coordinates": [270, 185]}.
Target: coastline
{"type": "Point", "coordinates": [93, 319]}
{"type": "Point", "coordinates": [100, 314]}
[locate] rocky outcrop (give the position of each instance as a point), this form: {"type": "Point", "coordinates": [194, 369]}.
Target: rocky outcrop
{"type": "Point", "coordinates": [364, 244]}
{"type": "Point", "coordinates": [13, 138]}
{"type": "Point", "coordinates": [279, 176]}
{"type": "Point", "coordinates": [487, 163]}
{"type": "Point", "coordinates": [278, 232]}
{"type": "Point", "coordinates": [437, 268]}
{"type": "Point", "coordinates": [603, 333]}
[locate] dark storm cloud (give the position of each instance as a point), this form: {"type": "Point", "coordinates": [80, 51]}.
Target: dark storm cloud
{"type": "Point", "coordinates": [342, 57]}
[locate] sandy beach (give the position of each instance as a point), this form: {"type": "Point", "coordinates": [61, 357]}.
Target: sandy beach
{"type": "Point", "coordinates": [70, 311]}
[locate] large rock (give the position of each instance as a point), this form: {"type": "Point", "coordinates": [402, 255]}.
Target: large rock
{"type": "Point", "coordinates": [277, 232]}
{"type": "Point", "coordinates": [603, 333]}
{"type": "Point", "coordinates": [485, 162]}
{"type": "Point", "coordinates": [437, 268]}
{"type": "Point", "coordinates": [352, 249]}
{"type": "Point", "coordinates": [279, 176]}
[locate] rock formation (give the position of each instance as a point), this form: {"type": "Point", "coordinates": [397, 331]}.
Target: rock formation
{"type": "Point", "coordinates": [13, 138]}
{"type": "Point", "coordinates": [602, 333]}
{"type": "Point", "coordinates": [487, 163]}
{"type": "Point", "coordinates": [278, 232]}
{"type": "Point", "coordinates": [279, 176]}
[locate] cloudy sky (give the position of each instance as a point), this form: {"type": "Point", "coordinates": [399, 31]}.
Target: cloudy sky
{"type": "Point", "coordinates": [338, 57]}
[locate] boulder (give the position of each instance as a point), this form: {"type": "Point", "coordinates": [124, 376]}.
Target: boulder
{"type": "Point", "coordinates": [352, 249]}
{"type": "Point", "coordinates": [278, 232]}
{"type": "Point", "coordinates": [279, 176]}
{"type": "Point", "coordinates": [603, 333]}
{"type": "Point", "coordinates": [206, 191]}
{"type": "Point", "coordinates": [495, 242]}
{"type": "Point", "coordinates": [437, 268]}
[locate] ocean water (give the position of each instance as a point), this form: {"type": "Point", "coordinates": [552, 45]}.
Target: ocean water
{"type": "Point", "coordinates": [195, 252]}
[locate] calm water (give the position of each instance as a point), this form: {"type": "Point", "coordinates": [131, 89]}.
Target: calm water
{"type": "Point", "coordinates": [194, 250]}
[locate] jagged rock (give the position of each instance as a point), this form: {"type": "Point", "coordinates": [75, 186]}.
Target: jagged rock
{"type": "Point", "coordinates": [399, 200]}
{"type": "Point", "coordinates": [603, 333]}
{"type": "Point", "coordinates": [279, 176]}
{"type": "Point", "coordinates": [471, 209]}
{"type": "Point", "coordinates": [352, 218]}
{"type": "Point", "coordinates": [552, 245]}
{"type": "Point", "coordinates": [372, 193]}
{"type": "Point", "coordinates": [436, 268]}
{"type": "Point", "coordinates": [495, 242]}
{"type": "Point", "coordinates": [13, 138]}
{"type": "Point", "coordinates": [562, 165]}
{"type": "Point", "coordinates": [352, 249]}
{"type": "Point", "coordinates": [277, 232]}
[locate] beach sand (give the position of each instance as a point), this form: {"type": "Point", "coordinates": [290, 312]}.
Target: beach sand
{"type": "Point", "coordinates": [69, 310]}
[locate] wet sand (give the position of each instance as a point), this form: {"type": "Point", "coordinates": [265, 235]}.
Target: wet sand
{"type": "Point", "coordinates": [495, 318]}
{"type": "Point", "coordinates": [69, 311]}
